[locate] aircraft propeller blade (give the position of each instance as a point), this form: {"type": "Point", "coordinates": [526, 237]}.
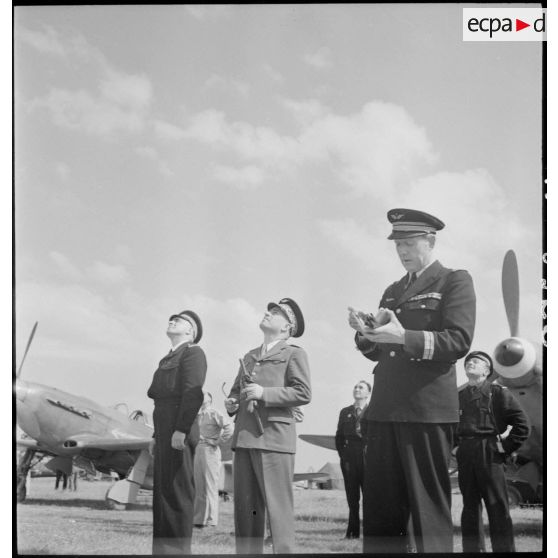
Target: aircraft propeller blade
{"type": "Point", "coordinates": [510, 291]}
{"type": "Point", "coordinates": [27, 348]}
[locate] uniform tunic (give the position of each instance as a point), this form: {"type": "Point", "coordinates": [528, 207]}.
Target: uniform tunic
{"type": "Point", "coordinates": [350, 447]}
{"type": "Point", "coordinates": [177, 393]}
{"type": "Point", "coordinates": [264, 462]}
{"type": "Point", "coordinates": [214, 429]}
{"type": "Point", "coordinates": [408, 423]}
{"type": "Point", "coordinates": [486, 412]}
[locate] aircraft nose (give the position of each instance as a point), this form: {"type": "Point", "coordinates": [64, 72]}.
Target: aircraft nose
{"type": "Point", "coordinates": [21, 391]}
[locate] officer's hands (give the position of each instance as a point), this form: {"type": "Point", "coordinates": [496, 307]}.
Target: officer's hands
{"type": "Point", "coordinates": [151, 447]}
{"type": "Point", "coordinates": [231, 405]}
{"type": "Point", "coordinates": [252, 392]}
{"type": "Point", "coordinates": [178, 440]}
{"type": "Point", "coordinates": [391, 332]}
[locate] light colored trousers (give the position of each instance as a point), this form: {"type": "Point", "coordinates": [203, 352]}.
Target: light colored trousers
{"type": "Point", "coordinates": [207, 465]}
{"type": "Point", "coordinates": [263, 482]}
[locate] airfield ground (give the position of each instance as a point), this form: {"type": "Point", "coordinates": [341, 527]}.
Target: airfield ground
{"type": "Point", "coordinates": [65, 522]}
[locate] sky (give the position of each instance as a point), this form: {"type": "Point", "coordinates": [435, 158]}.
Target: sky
{"type": "Point", "coordinates": [217, 158]}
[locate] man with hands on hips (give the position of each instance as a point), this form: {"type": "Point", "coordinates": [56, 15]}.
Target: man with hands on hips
{"type": "Point", "coordinates": [273, 380]}
{"type": "Point", "coordinates": [424, 325]}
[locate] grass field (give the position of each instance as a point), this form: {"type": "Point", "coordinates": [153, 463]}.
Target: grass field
{"type": "Point", "coordinates": [57, 522]}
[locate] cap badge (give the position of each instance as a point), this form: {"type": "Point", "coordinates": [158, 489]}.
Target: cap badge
{"type": "Point", "coordinates": [396, 216]}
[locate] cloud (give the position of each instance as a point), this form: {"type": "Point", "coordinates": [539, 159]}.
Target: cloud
{"type": "Point", "coordinates": [108, 273]}
{"type": "Point", "coordinates": [227, 84]}
{"type": "Point", "coordinates": [68, 269]}
{"type": "Point", "coordinates": [274, 74]}
{"type": "Point", "coordinates": [320, 59]}
{"type": "Point", "coordinates": [205, 13]}
{"type": "Point", "coordinates": [374, 150]}
{"type": "Point", "coordinates": [353, 239]}
{"type": "Point", "coordinates": [243, 178]}
{"type": "Point", "coordinates": [62, 170]}
{"type": "Point", "coordinates": [47, 41]}
{"type": "Point", "coordinates": [153, 155]}
{"type": "Point", "coordinates": [119, 103]}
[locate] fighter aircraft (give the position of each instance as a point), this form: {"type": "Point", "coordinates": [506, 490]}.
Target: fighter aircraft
{"type": "Point", "coordinates": [70, 429]}
{"type": "Point", "coordinates": [519, 369]}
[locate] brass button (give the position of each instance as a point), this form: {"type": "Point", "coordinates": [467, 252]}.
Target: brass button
{"type": "Point", "coordinates": [392, 353]}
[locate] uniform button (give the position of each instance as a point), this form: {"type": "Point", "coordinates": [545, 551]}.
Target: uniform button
{"type": "Point", "coordinates": [398, 311]}
{"type": "Point", "coordinates": [392, 353]}
{"type": "Point", "coordinates": [423, 305]}
{"type": "Point", "coordinates": [412, 358]}
{"type": "Point", "coordinates": [418, 359]}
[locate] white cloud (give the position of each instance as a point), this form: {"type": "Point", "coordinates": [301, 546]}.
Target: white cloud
{"type": "Point", "coordinates": [242, 178]}
{"type": "Point", "coordinates": [374, 150]}
{"type": "Point", "coordinates": [120, 103]}
{"type": "Point", "coordinates": [108, 273]}
{"type": "Point", "coordinates": [47, 41]}
{"type": "Point", "coordinates": [204, 13]}
{"type": "Point", "coordinates": [68, 269]}
{"type": "Point", "coordinates": [320, 59]}
{"type": "Point", "coordinates": [353, 239]}
{"type": "Point", "coordinates": [153, 155]}
{"type": "Point", "coordinates": [273, 73]}
{"type": "Point", "coordinates": [227, 84]}
{"type": "Point", "coordinates": [80, 110]}
{"type": "Point", "coordinates": [62, 170]}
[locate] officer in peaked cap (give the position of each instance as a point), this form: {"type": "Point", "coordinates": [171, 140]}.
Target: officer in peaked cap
{"type": "Point", "coordinates": [486, 411]}
{"type": "Point", "coordinates": [425, 323]}
{"type": "Point", "coordinates": [176, 390]}
{"type": "Point", "coordinates": [272, 382]}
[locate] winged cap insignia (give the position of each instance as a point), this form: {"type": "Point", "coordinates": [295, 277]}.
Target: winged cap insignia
{"type": "Point", "coordinates": [396, 216]}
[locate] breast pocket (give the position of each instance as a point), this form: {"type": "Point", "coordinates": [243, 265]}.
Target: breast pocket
{"type": "Point", "coordinates": [422, 312]}
{"type": "Point", "coordinates": [169, 375]}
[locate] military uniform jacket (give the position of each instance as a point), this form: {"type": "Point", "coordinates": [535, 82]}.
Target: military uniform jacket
{"type": "Point", "coordinates": [347, 428]}
{"type": "Point", "coordinates": [284, 374]}
{"type": "Point", "coordinates": [416, 381]}
{"type": "Point", "coordinates": [178, 381]}
{"type": "Point", "coordinates": [488, 411]}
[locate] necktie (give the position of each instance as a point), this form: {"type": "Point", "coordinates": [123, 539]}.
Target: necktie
{"type": "Point", "coordinates": [412, 279]}
{"type": "Point", "coordinates": [358, 411]}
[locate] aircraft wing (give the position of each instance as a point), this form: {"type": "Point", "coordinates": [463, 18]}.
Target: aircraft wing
{"type": "Point", "coordinates": [28, 443]}
{"type": "Point", "coordinates": [322, 440]}
{"type": "Point", "coordinates": [107, 444]}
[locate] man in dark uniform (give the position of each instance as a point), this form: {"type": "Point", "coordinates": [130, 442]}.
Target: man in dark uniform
{"type": "Point", "coordinates": [273, 380]}
{"type": "Point", "coordinates": [425, 323]}
{"type": "Point", "coordinates": [177, 393]}
{"type": "Point", "coordinates": [348, 442]}
{"type": "Point", "coordinates": [486, 411]}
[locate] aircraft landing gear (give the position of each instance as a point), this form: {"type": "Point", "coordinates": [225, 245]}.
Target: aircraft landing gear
{"type": "Point", "coordinates": [23, 468]}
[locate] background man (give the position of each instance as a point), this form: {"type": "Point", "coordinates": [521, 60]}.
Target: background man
{"type": "Point", "coordinates": [214, 429]}
{"type": "Point", "coordinates": [272, 379]}
{"type": "Point", "coordinates": [348, 442]}
{"type": "Point", "coordinates": [486, 410]}
{"type": "Point", "coordinates": [425, 323]}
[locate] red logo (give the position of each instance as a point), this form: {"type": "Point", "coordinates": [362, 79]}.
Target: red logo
{"type": "Point", "coordinates": [519, 25]}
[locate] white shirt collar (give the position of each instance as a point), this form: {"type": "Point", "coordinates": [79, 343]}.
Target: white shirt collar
{"type": "Point", "coordinates": [269, 346]}
{"type": "Point", "coordinates": [179, 345]}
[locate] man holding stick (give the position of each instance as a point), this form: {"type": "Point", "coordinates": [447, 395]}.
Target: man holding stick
{"type": "Point", "coordinates": [272, 380]}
